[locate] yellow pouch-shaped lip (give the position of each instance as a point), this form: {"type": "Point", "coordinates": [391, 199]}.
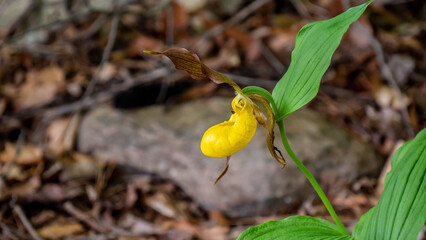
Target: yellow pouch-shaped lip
{"type": "Point", "coordinates": [229, 137]}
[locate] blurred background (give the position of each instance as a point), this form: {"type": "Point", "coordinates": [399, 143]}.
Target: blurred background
{"type": "Point", "coordinates": [101, 141]}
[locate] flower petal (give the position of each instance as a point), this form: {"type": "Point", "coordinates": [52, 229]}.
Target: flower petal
{"type": "Point", "coordinates": [229, 137]}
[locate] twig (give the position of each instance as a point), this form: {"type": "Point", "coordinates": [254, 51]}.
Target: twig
{"type": "Point", "coordinates": [247, 81]}
{"type": "Point", "coordinates": [386, 72]}
{"type": "Point", "coordinates": [270, 57]}
{"type": "Point", "coordinates": [169, 42]}
{"type": "Point", "coordinates": [6, 233]}
{"type": "Point", "coordinates": [245, 12]}
{"type": "Point", "coordinates": [105, 96]}
{"type": "Point", "coordinates": [301, 9]}
{"type": "Point", "coordinates": [57, 50]}
{"type": "Point", "coordinates": [94, 27]}
{"type": "Point", "coordinates": [18, 210]}
{"type": "Point", "coordinates": [51, 113]}
{"type": "Point", "coordinates": [103, 176]}
{"type": "Point", "coordinates": [81, 216]}
{"type": "Point", "coordinates": [316, 9]}
{"type": "Point", "coordinates": [105, 56]}
{"type": "Point", "coordinates": [341, 92]}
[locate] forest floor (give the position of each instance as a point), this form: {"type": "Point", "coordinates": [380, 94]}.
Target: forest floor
{"type": "Point", "coordinates": [60, 59]}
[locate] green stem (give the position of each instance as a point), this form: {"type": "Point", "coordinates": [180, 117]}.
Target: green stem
{"type": "Point", "coordinates": [311, 178]}
{"type": "Point", "coordinates": [263, 92]}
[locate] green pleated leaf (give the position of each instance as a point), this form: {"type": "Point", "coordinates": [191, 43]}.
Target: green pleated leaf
{"type": "Point", "coordinates": [315, 44]}
{"type": "Point", "coordinates": [401, 210]}
{"type": "Point", "coordinates": [295, 228]}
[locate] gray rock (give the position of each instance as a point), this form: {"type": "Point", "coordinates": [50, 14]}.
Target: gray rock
{"type": "Point", "coordinates": [167, 144]}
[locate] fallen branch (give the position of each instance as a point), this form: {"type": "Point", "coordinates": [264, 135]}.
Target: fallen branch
{"type": "Point", "coordinates": [18, 210]}
{"type": "Point", "coordinates": [81, 216]}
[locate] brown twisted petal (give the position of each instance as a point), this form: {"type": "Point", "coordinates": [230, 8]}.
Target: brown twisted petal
{"type": "Point", "coordinates": [267, 124]}
{"type": "Point", "coordinates": [190, 62]}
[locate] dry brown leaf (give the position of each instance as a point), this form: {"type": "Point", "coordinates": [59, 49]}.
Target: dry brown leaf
{"type": "Point", "coordinates": [55, 134]}
{"type": "Point", "coordinates": [136, 225]}
{"type": "Point", "coordinates": [40, 87]}
{"type": "Point", "coordinates": [131, 20]}
{"type": "Point", "coordinates": [25, 189]}
{"type": "Point", "coordinates": [61, 134]}
{"type": "Point", "coordinates": [387, 97]}
{"type": "Point", "coordinates": [228, 57]}
{"type": "Point", "coordinates": [282, 42]}
{"type": "Point", "coordinates": [131, 196]}
{"type": "Point", "coordinates": [161, 203]}
{"type": "Point", "coordinates": [180, 17]}
{"type": "Point", "coordinates": [214, 233]}
{"type": "Point", "coordinates": [107, 72]}
{"type": "Point", "coordinates": [219, 218]}
{"type": "Point", "coordinates": [43, 217]}
{"type": "Point", "coordinates": [28, 155]}
{"type": "Point", "coordinates": [79, 166]}
{"type": "Point", "coordinates": [192, 5]}
{"type": "Point", "coordinates": [75, 85]}
{"type": "Point", "coordinates": [55, 230]}
{"type": "Point", "coordinates": [16, 172]}
{"type": "Point", "coordinates": [241, 36]}
{"type": "Point", "coordinates": [180, 225]}
{"type": "Point", "coordinates": [53, 192]}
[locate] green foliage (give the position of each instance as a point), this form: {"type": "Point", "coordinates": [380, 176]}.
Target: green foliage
{"type": "Point", "coordinates": [262, 92]}
{"type": "Point", "coordinates": [295, 228]}
{"type": "Point", "coordinates": [401, 210]}
{"type": "Point", "coordinates": [400, 213]}
{"type": "Point", "coordinates": [315, 44]}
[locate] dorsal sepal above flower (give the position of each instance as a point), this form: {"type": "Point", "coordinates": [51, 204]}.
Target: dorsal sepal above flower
{"type": "Point", "coordinates": [190, 62]}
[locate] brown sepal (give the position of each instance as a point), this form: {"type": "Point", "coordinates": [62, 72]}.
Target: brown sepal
{"type": "Point", "coordinates": [190, 62]}
{"type": "Point", "coordinates": [267, 124]}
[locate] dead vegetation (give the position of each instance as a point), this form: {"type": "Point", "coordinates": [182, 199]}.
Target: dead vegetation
{"type": "Point", "coordinates": [59, 59]}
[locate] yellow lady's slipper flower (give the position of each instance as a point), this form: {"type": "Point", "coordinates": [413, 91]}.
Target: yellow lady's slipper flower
{"type": "Point", "coordinates": [229, 137]}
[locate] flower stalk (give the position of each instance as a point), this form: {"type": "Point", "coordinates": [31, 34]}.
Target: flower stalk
{"type": "Point", "coordinates": [311, 178]}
